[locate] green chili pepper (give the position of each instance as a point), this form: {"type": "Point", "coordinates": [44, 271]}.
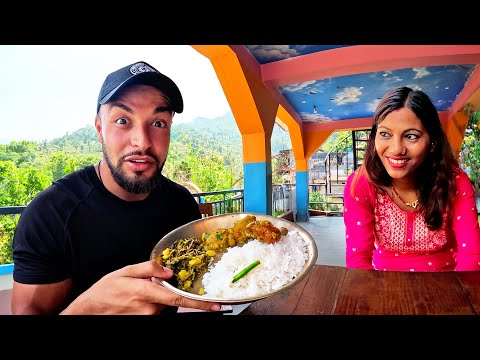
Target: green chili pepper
{"type": "Point", "coordinates": [245, 271]}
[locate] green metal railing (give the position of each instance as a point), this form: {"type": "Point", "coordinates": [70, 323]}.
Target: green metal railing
{"type": "Point", "coordinates": [344, 158]}
{"type": "Point", "coordinates": [224, 201]}
{"type": "Point", "coordinates": [11, 210]}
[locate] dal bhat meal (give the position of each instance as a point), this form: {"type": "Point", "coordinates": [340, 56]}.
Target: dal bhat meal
{"type": "Point", "coordinates": [250, 258]}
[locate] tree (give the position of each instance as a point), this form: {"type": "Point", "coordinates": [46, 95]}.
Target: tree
{"type": "Point", "coordinates": [61, 164]}
{"type": "Point", "coordinates": [470, 151]}
{"type": "Point", "coordinates": [281, 168]}
{"type": "Point", "coordinates": [20, 152]}
{"type": "Point", "coordinates": [10, 186]}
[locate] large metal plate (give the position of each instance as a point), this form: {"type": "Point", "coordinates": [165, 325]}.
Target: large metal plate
{"type": "Point", "coordinates": [198, 227]}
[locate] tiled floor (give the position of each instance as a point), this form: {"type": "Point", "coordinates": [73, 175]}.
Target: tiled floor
{"type": "Point", "coordinates": [329, 235]}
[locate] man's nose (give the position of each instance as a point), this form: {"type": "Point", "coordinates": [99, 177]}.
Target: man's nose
{"type": "Point", "coordinates": [141, 137]}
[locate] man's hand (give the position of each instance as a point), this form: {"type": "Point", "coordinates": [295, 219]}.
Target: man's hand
{"type": "Point", "coordinates": [130, 290]}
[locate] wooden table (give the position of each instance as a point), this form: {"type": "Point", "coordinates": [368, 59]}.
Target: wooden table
{"type": "Point", "coordinates": [336, 290]}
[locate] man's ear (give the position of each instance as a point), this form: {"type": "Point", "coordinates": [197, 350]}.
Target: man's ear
{"type": "Point", "coordinates": [98, 127]}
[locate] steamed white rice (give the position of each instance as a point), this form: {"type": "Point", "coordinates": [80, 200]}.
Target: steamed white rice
{"type": "Point", "coordinates": [280, 262]}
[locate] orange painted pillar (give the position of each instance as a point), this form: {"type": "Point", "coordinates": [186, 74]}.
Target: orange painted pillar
{"type": "Point", "coordinates": [455, 131]}
{"type": "Point", "coordinates": [254, 111]}
{"type": "Point", "coordinates": [304, 145]}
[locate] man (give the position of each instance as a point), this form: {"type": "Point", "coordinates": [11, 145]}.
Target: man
{"type": "Point", "coordinates": [81, 245]}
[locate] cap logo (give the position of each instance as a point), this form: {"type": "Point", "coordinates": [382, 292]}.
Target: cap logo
{"type": "Point", "coordinates": [141, 67]}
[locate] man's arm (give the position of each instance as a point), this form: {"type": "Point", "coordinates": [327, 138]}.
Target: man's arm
{"type": "Point", "coordinates": [35, 299]}
{"type": "Point", "coordinates": [129, 290]}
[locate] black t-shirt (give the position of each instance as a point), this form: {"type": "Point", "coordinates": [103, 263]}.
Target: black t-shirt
{"type": "Point", "coordinates": [77, 229]}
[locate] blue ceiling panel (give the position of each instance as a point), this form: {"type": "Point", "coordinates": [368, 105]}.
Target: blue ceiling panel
{"type": "Point", "coordinates": [265, 54]}
{"type": "Point", "coordinates": [356, 96]}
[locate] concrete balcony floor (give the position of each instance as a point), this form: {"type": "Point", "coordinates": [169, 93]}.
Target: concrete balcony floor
{"type": "Point", "coordinates": [329, 235]}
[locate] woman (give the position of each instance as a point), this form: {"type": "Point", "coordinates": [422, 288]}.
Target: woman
{"type": "Point", "coordinates": [410, 207]}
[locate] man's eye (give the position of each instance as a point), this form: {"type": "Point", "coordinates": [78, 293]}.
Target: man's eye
{"type": "Point", "coordinates": [121, 121]}
{"type": "Point", "coordinates": [160, 124]}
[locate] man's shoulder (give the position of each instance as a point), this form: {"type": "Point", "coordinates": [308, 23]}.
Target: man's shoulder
{"type": "Point", "coordinates": [169, 184]}
{"type": "Point", "coordinates": [76, 181]}
{"type": "Point", "coordinates": [74, 185]}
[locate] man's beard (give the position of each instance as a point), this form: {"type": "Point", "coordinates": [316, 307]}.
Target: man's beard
{"type": "Point", "coordinates": [133, 185]}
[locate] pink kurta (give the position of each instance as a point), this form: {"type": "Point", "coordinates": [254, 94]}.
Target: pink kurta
{"type": "Point", "coordinates": [382, 236]}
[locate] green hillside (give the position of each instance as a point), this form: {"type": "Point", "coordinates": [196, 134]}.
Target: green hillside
{"type": "Point", "coordinates": [224, 130]}
{"type": "Point", "coordinates": [219, 134]}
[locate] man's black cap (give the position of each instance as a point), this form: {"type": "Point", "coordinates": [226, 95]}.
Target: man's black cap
{"type": "Point", "coordinates": [144, 74]}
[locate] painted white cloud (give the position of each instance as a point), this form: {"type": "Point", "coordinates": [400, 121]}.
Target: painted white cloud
{"type": "Point", "coordinates": [413, 86]}
{"type": "Point", "coordinates": [420, 72]}
{"type": "Point", "coordinates": [309, 117]}
{"type": "Point", "coordinates": [371, 106]}
{"type": "Point", "coordinates": [272, 52]}
{"type": "Point", "coordinates": [393, 79]}
{"type": "Point", "coordinates": [348, 95]}
{"type": "Point", "coordinates": [297, 86]}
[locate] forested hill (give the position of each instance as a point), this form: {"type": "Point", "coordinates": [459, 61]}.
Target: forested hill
{"type": "Point", "coordinates": [216, 134]}
{"type": "Point", "coordinates": [206, 153]}
{"type": "Point", "coordinates": [83, 140]}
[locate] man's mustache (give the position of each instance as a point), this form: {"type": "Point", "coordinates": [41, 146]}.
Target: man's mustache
{"type": "Point", "coordinates": [139, 153]}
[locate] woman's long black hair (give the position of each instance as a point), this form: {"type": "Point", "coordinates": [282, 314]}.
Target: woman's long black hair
{"type": "Point", "coordinates": [435, 177]}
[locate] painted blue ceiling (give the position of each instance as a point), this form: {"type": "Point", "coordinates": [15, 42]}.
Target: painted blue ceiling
{"type": "Point", "coordinates": [269, 53]}
{"type": "Point", "coordinates": [356, 96]}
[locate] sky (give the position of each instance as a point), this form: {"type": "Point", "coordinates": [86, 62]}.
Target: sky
{"type": "Point", "coordinates": [49, 90]}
